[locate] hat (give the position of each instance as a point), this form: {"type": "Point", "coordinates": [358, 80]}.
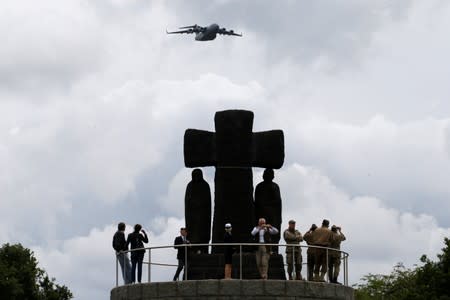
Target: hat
{"type": "Point", "coordinates": [291, 221]}
{"type": "Point", "coordinates": [228, 225]}
{"type": "Point", "coordinates": [333, 227]}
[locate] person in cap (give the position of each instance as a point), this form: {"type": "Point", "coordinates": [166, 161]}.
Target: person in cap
{"type": "Point", "coordinates": [228, 254]}
{"type": "Point", "coordinates": [293, 254]}
{"type": "Point", "coordinates": [321, 237]}
{"type": "Point", "coordinates": [334, 257]}
{"type": "Point", "coordinates": [136, 240]}
{"type": "Point", "coordinates": [182, 251]}
{"type": "Point", "coordinates": [310, 253]}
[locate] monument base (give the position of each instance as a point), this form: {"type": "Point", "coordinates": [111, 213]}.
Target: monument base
{"type": "Point", "coordinates": [233, 289]}
{"type": "Point", "coordinates": [211, 266]}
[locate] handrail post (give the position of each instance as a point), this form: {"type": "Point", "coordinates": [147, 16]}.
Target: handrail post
{"type": "Point", "coordinates": [240, 261]}
{"type": "Point", "coordinates": [346, 268]}
{"type": "Point", "coordinates": [149, 264]}
{"type": "Point", "coordinates": [328, 268]}
{"type": "Point", "coordinates": [185, 262]}
{"type": "Point", "coordinates": [117, 271]}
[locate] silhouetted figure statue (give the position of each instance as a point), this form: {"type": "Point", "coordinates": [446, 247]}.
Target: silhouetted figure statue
{"type": "Point", "coordinates": [233, 149]}
{"type": "Point", "coordinates": [197, 209]}
{"type": "Point", "coordinates": [268, 203]}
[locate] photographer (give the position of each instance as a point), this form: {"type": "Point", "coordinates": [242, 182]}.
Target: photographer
{"type": "Point", "coordinates": [136, 240]}
{"type": "Point", "coordinates": [334, 257]}
{"type": "Point", "coordinates": [263, 232]}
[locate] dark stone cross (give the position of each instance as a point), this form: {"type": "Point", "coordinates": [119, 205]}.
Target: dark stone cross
{"type": "Point", "coordinates": [234, 149]}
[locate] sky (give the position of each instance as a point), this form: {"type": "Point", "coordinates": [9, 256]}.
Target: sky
{"type": "Point", "coordinates": [95, 99]}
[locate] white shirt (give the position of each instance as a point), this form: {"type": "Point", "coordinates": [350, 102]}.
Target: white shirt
{"type": "Point", "coordinates": [261, 231]}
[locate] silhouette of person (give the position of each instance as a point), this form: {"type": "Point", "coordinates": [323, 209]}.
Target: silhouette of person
{"type": "Point", "coordinates": [268, 203]}
{"type": "Point", "coordinates": [136, 240]}
{"type": "Point", "coordinates": [198, 211]}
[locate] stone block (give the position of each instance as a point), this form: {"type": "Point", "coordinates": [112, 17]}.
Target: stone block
{"type": "Point", "coordinates": [187, 288]}
{"type": "Point", "coordinates": [230, 287]}
{"type": "Point", "coordinates": [134, 292]}
{"type": "Point", "coordinates": [295, 288]}
{"type": "Point", "coordinates": [252, 287]}
{"type": "Point", "coordinates": [329, 291]}
{"type": "Point", "coordinates": [208, 287]}
{"type": "Point", "coordinates": [275, 287]}
{"type": "Point", "coordinates": [149, 290]}
{"type": "Point", "coordinates": [167, 289]}
{"type": "Point", "coordinates": [122, 293]}
{"type": "Point", "coordinates": [314, 289]}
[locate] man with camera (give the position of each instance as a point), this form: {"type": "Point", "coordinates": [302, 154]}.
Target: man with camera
{"type": "Point", "coordinates": [262, 232]}
{"type": "Point", "coordinates": [334, 257]}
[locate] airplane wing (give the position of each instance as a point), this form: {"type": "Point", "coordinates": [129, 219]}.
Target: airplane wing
{"type": "Point", "coordinates": [224, 31]}
{"type": "Point", "coordinates": [188, 29]}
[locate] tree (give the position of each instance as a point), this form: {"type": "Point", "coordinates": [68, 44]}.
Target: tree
{"type": "Point", "coordinates": [21, 278]}
{"type": "Point", "coordinates": [429, 281]}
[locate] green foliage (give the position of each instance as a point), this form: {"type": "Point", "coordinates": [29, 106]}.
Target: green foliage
{"type": "Point", "coordinates": [429, 281]}
{"type": "Point", "coordinates": [21, 278]}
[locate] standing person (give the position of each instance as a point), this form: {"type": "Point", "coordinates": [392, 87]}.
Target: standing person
{"type": "Point", "coordinates": [136, 240]}
{"type": "Point", "coordinates": [182, 251]}
{"type": "Point", "coordinates": [322, 237]}
{"type": "Point", "coordinates": [268, 203]}
{"type": "Point", "coordinates": [120, 245]}
{"type": "Point", "coordinates": [311, 252]}
{"type": "Point", "coordinates": [293, 254]}
{"type": "Point", "coordinates": [262, 232]}
{"type": "Point", "coordinates": [228, 254]}
{"type": "Point", "coordinates": [334, 259]}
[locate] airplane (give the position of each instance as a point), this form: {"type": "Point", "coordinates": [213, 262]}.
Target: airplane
{"type": "Point", "coordinates": [204, 33]}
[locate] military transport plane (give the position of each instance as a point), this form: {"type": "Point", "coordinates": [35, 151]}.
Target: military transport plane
{"type": "Point", "coordinates": [205, 33]}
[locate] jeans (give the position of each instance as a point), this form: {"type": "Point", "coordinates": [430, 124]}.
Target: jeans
{"type": "Point", "coordinates": [136, 260]}
{"type": "Point", "coordinates": [125, 265]}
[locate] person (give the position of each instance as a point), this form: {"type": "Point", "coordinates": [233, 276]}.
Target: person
{"type": "Point", "coordinates": [136, 240]}
{"type": "Point", "coordinates": [182, 251]}
{"type": "Point", "coordinates": [268, 203]}
{"type": "Point", "coordinates": [311, 252]}
{"type": "Point", "coordinates": [321, 237]}
{"type": "Point", "coordinates": [262, 232]}
{"type": "Point", "coordinates": [293, 254]}
{"type": "Point", "coordinates": [197, 210]}
{"type": "Point", "coordinates": [120, 245]}
{"type": "Point", "coordinates": [228, 254]}
{"type": "Point", "coordinates": [334, 257]}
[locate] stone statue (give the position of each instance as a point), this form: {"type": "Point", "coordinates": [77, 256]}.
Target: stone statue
{"type": "Point", "coordinates": [233, 149]}
{"type": "Point", "coordinates": [268, 203]}
{"type": "Point", "coordinates": [197, 209]}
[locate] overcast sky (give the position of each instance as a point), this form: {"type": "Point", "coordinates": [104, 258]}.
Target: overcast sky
{"type": "Point", "coordinates": [95, 98]}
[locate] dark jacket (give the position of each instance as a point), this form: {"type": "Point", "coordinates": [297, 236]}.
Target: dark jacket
{"type": "Point", "coordinates": [179, 241]}
{"type": "Point", "coordinates": [137, 240]}
{"type": "Point", "coordinates": [119, 243]}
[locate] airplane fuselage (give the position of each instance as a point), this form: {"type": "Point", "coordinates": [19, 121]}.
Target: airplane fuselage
{"type": "Point", "coordinates": [209, 34]}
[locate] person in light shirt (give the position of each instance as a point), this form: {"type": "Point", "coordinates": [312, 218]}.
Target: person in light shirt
{"type": "Point", "coordinates": [262, 232]}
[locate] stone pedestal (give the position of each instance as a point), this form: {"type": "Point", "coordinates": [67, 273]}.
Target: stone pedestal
{"type": "Point", "coordinates": [211, 266]}
{"type": "Point", "coordinates": [233, 289]}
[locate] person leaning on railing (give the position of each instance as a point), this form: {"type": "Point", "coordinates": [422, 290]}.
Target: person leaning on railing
{"type": "Point", "coordinates": [120, 245]}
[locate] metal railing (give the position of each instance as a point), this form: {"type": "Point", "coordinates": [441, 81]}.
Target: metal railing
{"type": "Point", "coordinates": [343, 256]}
